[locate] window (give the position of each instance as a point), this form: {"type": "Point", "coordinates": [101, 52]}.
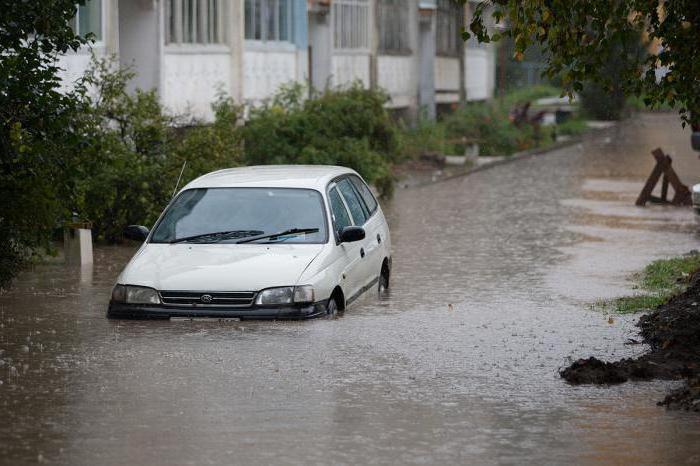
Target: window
{"type": "Point", "coordinates": [366, 194]}
{"type": "Point", "coordinates": [268, 20]}
{"type": "Point", "coordinates": [88, 19]}
{"type": "Point", "coordinates": [357, 208]}
{"type": "Point", "coordinates": [393, 26]}
{"type": "Point", "coordinates": [351, 24]}
{"type": "Point", "coordinates": [341, 219]}
{"type": "Point", "coordinates": [450, 22]}
{"type": "Point", "coordinates": [194, 22]}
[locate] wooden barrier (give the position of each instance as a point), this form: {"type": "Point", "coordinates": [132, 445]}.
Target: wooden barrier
{"type": "Point", "coordinates": [663, 167]}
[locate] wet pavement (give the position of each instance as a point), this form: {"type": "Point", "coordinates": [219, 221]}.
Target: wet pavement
{"type": "Point", "coordinates": [494, 275]}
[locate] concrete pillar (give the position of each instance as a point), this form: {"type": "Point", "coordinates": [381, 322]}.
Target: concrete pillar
{"type": "Point", "coordinates": [427, 50]}
{"type": "Point", "coordinates": [77, 244]}
{"type": "Point", "coordinates": [320, 46]}
{"type": "Point", "coordinates": [140, 40]}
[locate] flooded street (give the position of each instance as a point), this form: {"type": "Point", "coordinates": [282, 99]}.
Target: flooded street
{"type": "Point", "coordinates": [493, 279]}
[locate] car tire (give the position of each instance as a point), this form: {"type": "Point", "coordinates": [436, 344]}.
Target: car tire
{"type": "Point", "coordinates": [332, 308]}
{"type": "Point", "coordinates": [383, 286]}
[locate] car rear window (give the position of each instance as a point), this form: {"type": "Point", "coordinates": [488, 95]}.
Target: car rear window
{"type": "Point", "coordinates": [366, 194]}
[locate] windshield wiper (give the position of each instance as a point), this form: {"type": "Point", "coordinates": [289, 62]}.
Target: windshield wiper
{"type": "Point", "coordinates": [219, 235]}
{"type": "Point", "coordinates": [291, 231]}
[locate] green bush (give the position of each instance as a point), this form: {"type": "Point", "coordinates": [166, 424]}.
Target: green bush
{"type": "Point", "coordinates": [343, 126]}
{"type": "Point", "coordinates": [572, 127]}
{"type": "Point", "coordinates": [489, 125]}
{"type": "Point", "coordinates": [426, 137]}
{"type": "Point", "coordinates": [36, 138]}
{"type": "Point", "coordinates": [132, 154]}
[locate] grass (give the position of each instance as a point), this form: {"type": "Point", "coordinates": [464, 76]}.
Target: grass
{"type": "Point", "coordinates": [572, 127]}
{"type": "Point", "coordinates": [658, 282]}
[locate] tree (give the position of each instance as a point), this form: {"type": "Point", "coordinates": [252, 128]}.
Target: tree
{"type": "Point", "coordinates": [581, 36]}
{"type": "Point", "coordinates": [35, 124]}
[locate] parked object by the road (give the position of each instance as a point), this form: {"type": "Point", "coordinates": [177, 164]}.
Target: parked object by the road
{"type": "Point", "coordinates": [696, 197]}
{"type": "Point", "coordinates": [259, 242]}
{"type": "Point", "coordinates": [682, 196]}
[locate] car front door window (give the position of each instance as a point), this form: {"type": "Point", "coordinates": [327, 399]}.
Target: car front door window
{"type": "Point", "coordinates": [357, 208]}
{"type": "Point", "coordinates": [341, 218]}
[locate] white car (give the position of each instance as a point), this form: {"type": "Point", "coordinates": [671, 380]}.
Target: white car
{"type": "Point", "coordinates": [258, 242]}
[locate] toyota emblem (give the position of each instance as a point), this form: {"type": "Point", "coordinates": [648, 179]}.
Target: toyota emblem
{"type": "Point", "coordinates": [206, 298]}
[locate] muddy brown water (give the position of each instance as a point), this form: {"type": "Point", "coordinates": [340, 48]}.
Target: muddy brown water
{"type": "Point", "coordinates": [518, 251]}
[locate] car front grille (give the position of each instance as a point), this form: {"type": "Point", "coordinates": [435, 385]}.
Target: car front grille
{"type": "Point", "coordinates": [208, 299]}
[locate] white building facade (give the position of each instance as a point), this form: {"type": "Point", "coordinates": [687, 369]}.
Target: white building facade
{"type": "Point", "coordinates": [190, 51]}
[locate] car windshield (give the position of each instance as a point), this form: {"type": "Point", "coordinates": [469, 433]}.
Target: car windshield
{"type": "Point", "coordinates": [225, 215]}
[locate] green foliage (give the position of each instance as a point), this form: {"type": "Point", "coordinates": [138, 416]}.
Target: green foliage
{"type": "Point", "coordinates": [488, 124]}
{"type": "Point", "coordinates": [572, 127]}
{"type": "Point", "coordinates": [632, 304]}
{"type": "Point", "coordinates": [659, 282]}
{"type": "Point", "coordinates": [669, 275]}
{"type": "Point", "coordinates": [580, 38]}
{"type": "Point", "coordinates": [425, 138]}
{"type": "Point", "coordinates": [530, 94]}
{"type": "Point", "coordinates": [35, 125]}
{"type": "Point", "coordinates": [131, 154]}
{"type": "Point", "coordinates": [344, 126]}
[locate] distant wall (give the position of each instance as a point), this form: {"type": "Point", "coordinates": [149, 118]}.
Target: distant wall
{"type": "Point", "coordinates": [191, 80]}
{"type": "Point", "coordinates": [350, 67]}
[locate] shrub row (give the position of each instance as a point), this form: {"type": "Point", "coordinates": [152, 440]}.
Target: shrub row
{"type": "Point", "coordinates": [131, 150]}
{"type": "Point", "coordinates": [489, 125]}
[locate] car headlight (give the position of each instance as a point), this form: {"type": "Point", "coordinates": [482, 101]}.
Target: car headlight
{"type": "Point", "coordinates": [135, 295]}
{"type": "Point", "coordinates": [286, 295]}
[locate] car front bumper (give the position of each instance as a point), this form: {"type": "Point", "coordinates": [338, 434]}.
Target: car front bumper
{"type": "Point", "coordinates": [136, 311]}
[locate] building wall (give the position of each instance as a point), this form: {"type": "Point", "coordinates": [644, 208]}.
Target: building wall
{"type": "Point", "coordinates": [479, 73]}
{"type": "Point", "coordinates": [74, 64]}
{"type": "Point", "coordinates": [447, 79]}
{"type": "Point", "coordinates": [267, 68]}
{"type": "Point", "coordinates": [269, 65]}
{"type": "Point", "coordinates": [188, 77]}
{"type": "Point", "coordinates": [397, 75]}
{"type": "Point", "coordinates": [193, 78]}
{"type": "Point", "coordinates": [350, 67]}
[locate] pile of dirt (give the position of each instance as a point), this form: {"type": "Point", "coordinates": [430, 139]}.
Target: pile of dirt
{"type": "Point", "coordinates": [673, 333]}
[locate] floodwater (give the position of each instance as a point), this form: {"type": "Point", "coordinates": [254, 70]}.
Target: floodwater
{"type": "Point", "coordinates": [493, 278]}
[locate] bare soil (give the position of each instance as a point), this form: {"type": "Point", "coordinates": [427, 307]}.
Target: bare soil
{"type": "Point", "coordinates": [672, 331]}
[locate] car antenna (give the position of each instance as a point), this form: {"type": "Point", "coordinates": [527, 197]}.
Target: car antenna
{"type": "Point", "coordinates": [179, 178]}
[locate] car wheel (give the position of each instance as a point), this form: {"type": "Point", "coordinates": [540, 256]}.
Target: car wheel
{"type": "Point", "coordinates": [383, 287]}
{"type": "Point", "coordinates": [332, 308]}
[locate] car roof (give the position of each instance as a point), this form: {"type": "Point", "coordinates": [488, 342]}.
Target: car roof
{"type": "Point", "coordinates": [271, 176]}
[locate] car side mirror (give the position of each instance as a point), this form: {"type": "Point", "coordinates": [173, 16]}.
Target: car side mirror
{"type": "Point", "coordinates": [352, 234]}
{"type": "Point", "coordinates": [136, 232]}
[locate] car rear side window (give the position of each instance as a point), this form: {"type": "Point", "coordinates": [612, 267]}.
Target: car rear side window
{"type": "Point", "coordinates": [366, 194]}
{"type": "Point", "coordinates": [341, 219]}
{"type": "Point", "coordinates": [357, 208]}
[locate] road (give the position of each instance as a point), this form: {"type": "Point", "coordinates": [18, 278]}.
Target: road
{"type": "Point", "coordinates": [494, 275]}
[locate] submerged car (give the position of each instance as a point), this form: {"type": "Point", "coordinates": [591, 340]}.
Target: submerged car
{"type": "Point", "coordinates": [258, 242]}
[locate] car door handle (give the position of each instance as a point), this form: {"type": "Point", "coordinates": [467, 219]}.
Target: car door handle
{"type": "Point", "coordinates": [362, 252]}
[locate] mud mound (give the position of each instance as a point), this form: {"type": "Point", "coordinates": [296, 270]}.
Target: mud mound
{"type": "Point", "coordinates": [673, 333]}
{"type": "Point", "coordinates": [687, 398]}
{"type": "Point", "coordinates": [594, 371]}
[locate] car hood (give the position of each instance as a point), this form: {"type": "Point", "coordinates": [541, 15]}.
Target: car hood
{"type": "Point", "coordinates": [218, 267]}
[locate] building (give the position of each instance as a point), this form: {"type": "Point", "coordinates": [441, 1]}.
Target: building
{"type": "Point", "coordinates": [192, 50]}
